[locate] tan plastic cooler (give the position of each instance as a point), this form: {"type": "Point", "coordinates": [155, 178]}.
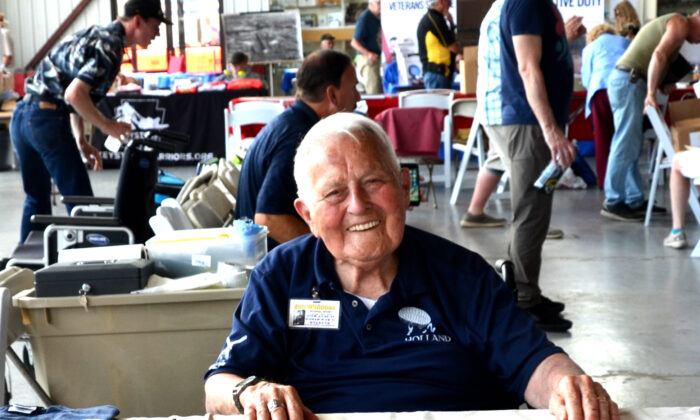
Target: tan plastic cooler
{"type": "Point", "coordinates": [144, 354]}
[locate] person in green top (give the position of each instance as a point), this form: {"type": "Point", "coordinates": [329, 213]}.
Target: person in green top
{"type": "Point", "coordinates": [651, 62]}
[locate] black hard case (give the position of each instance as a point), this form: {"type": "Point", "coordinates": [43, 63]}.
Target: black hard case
{"type": "Point", "coordinates": [103, 277]}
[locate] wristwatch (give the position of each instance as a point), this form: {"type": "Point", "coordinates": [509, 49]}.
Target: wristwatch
{"type": "Point", "coordinates": [240, 387]}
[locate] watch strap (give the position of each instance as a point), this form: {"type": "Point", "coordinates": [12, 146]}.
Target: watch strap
{"type": "Point", "coordinates": [240, 387]}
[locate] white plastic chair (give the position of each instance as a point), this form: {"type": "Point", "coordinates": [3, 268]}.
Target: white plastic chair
{"type": "Point", "coordinates": [169, 216]}
{"type": "Point", "coordinates": [467, 108]}
{"type": "Point", "coordinates": [663, 135]}
{"type": "Point", "coordinates": [650, 134]}
{"type": "Point", "coordinates": [246, 113]}
{"type": "Point", "coordinates": [436, 98]}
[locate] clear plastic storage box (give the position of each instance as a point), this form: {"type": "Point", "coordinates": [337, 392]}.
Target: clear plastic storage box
{"type": "Point", "coordinates": [186, 252]}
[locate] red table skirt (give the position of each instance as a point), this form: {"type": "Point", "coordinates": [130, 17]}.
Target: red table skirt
{"type": "Point", "coordinates": [580, 129]}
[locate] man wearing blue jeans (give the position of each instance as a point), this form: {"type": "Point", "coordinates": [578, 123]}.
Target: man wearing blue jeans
{"type": "Point", "coordinates": [47, 124]}
{"type": "Point", "coordinates": [437, 45]}
{"type": "Point", "coordinates": [651, 61]}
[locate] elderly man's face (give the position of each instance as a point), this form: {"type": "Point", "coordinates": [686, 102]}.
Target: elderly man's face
{"type": "Point", "coordinates": [355, 204]}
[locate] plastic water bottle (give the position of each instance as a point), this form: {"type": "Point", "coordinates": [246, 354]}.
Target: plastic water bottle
{"type": "Point", "coordinates": [549, 177]}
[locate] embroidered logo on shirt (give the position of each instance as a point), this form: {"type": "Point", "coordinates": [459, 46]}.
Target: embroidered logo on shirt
{"type": "Point", "coordinates": [225, 354]}
{"type": "Point", "coordinates": [420, 326]}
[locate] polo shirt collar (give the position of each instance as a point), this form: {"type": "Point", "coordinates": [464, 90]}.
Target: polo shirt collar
{"type": "Point", "coordinates": [306, 110]}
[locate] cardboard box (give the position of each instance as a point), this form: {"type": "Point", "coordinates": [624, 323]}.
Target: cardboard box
{"type": "Point", "coordinates": [468, 70]}
{"type": "Point", "coordinates": [7, 82]}
{"type": "Point", "coordinates": [8, 105]}
{"type": "Point", "coordinates": [685, 123]}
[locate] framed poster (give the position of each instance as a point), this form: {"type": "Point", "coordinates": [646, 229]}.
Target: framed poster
{"type": "Point", "coordinates": [307, 3]}
{"type": "Point", "coordinates": [266, 37]}
{"type": "Point", "coordinates": [308, 21]}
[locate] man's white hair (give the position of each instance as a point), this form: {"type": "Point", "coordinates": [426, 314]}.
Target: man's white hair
{"type": "Point", "coordinates": [342, 126]}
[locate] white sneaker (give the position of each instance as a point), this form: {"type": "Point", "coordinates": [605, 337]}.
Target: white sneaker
{"type": "Point", "coordinates": [677, 241]}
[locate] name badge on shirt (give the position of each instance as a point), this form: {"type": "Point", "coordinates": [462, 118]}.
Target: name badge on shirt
{"type": "Point", "coordinates": [315, 314]}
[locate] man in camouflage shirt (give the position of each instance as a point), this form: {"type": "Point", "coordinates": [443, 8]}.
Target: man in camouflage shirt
{"type": "Point", "coordinates": [68, 83]}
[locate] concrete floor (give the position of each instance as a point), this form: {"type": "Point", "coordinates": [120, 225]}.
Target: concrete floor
{"type": "Point", "coordinates": [635, 305]}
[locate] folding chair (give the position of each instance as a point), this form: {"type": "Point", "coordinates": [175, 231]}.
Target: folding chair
{"type": "Point", "coordinates": [246, 113]}
{"type": "Point", "coordinates": [650, 135]}
{"type": "Point", "coordinates": [436, 98]}
{"type": "Point", "coordinates": [666, 148]}
{"type": "Point", "coordinates": [473, 146]}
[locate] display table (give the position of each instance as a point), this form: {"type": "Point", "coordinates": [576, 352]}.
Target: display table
{"type": "Point", "coordinates": [580, 128]}
{"type": "Point", "coordinates": [676, 413]}
{"type": "Point", "coordinates": [200, 115]}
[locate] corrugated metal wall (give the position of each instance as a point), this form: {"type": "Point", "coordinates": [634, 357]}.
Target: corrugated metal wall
{"type": "Point", "coordinates": [32, 22]}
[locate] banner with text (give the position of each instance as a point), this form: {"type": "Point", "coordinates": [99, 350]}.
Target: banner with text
{"type": "Point", "coordinates": [399, 25]}
{"type": "Point", "coordinates": [592, 11]}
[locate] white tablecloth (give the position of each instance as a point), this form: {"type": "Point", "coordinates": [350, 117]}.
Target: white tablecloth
{"type": "Point", "coordinates": [665, 413]}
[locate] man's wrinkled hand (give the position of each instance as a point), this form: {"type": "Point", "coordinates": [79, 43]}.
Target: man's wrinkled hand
{"type": "Point", "coordinates": [581, 398]}
{"type": "Point", "coordinates": [268, 400]}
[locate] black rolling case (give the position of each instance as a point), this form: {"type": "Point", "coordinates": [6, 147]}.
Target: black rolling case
{"type": "Point", "coordinates": [92, 278]}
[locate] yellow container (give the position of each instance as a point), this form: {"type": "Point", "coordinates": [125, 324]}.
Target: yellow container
{"type": "Point", "coordinates": [145, 354]}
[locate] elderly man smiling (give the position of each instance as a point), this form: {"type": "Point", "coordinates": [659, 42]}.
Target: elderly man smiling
{"type": "Point", "coordinates": [394, 318]}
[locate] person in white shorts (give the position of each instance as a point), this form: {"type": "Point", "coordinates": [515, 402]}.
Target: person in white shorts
{"type": "Point", "coordinates": [685, 167]}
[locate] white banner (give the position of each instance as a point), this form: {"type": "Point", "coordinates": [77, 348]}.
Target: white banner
{"type": "Point", "coordinates": [592, 11]}
{"type": "Point", "coordinates": [400, 20]}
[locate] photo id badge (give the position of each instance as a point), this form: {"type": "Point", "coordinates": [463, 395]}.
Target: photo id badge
{"type": "Point", "coordinates": [316, 314]}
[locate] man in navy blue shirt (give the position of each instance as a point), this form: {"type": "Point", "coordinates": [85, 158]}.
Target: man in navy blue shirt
{"type": "Point", "coordinates": [536, 90]}
{"type": "Point", "coordinates": [266, 190]}
{"type": "Point", "coordinates": [369, 315]}
{"type": "Point", "coordinates": [367, 42]}
{"type": "Point", "coordinates": [68, 83]}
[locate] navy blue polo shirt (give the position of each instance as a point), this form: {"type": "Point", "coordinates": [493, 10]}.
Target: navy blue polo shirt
{"type": "Point", "coordinates": [535, 17]}
{"type": "Point", "coordinates": [266, 184]}
{"type": "Point", "coordinates": [367, 30]}
{"type": "Point", "coordinates": [474, 348]}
